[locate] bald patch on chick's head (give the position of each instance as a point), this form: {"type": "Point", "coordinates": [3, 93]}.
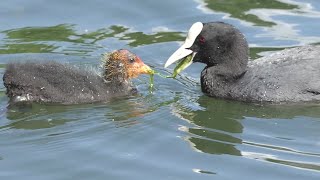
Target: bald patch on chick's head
{"type": "Point", "coordinates": [122, 65]}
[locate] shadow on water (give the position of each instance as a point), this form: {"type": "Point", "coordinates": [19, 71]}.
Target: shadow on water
{"type": "Point", "coordinates": [239, 9]}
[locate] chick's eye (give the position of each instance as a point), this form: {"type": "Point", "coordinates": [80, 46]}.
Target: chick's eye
{"type": "Point", "coordinates": [131, 60]}
{"type": "Point", "coordinates": [202, 40]}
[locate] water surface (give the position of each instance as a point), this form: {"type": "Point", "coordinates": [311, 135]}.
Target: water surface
{"type": "Point", "coordinates": [173, 132]}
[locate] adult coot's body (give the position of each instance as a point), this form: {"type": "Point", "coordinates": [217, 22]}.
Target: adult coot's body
{"type": "Point", "coordinates": [53, 82]}
{"type": "Point", "coordinates": [291, 75]}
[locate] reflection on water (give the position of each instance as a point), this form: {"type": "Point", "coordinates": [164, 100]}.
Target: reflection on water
{"type": "Point", "coordinates": [239, 8]}
{"type": "Point", "coordinates": [33, 34]}
{"type": "Point", "coordinates": [295, 164]}
{"type": "Point", "coordinates": [122, 112]}
{"type": "Point", "coordinates": [48, 39]}
{"type": "Point", "coordinates": [278, 19]}
{"type": "Point", "coordinates": [37, 116]}
{"type": "Point", "coordinates": [41, 116]}
{"type": "Point", "coordinates": [139, 38]}
{"type": "Point", "coordinates": [217, 128]}
{"type": "Point", "coordinates": [213, 146]}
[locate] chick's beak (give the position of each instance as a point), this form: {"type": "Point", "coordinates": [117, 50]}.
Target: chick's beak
{"type": "Point", "coordinates": [145, 69]}
{"type": "Point", "coordinates": [139, 68]}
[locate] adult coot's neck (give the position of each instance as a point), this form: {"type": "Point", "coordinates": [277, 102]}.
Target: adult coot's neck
{"type": "Point", "coordinates": [223, 46]}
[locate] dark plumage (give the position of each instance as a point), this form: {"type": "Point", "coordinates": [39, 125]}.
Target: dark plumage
{"type": "Point", "coordinates": [291, 75]}
{"type": "Point", "coordinates": [53, 82]}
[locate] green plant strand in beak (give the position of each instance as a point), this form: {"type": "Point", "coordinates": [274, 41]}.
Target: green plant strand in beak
{"type": "Point", "coordinates": [151, 72]}
{"type": "Point", "coordinates": [182, 64]}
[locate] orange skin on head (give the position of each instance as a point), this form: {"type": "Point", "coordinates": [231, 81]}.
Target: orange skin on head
{"type": "Point", "coordinates": [132, 64]}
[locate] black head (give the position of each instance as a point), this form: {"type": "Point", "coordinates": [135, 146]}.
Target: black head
{"type": "Point", "coordinates": [214, 43]}
{"type": "Point", "coordinates": [219, 43]}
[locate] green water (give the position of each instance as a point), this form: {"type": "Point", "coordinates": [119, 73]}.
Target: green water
{"type": "Point", "coordinates": [173, 131]}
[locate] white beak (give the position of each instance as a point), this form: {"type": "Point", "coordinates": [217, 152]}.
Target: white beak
{"type": "Point", "coordinates": [183, 51]}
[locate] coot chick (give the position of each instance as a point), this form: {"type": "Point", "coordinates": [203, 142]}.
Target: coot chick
{"type": "Point", "coordinates": [53, 82]}
{"type": "Point", "coordinates": [287, 76]}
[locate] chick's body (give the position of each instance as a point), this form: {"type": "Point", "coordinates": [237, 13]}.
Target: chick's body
{"type": "Point", "coordinates": [53, 82]}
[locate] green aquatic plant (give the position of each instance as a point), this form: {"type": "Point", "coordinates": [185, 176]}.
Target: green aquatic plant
{"type": "Point", "coordinates": [182, 64]}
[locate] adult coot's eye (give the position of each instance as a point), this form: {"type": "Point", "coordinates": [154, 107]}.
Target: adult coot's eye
{"type": "Point", "coordinates": [131, 60]}
{"type": "Point", "coordinates": [202, 40]}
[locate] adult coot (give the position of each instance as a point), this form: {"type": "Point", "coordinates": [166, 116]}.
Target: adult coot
{"type": "Point", "coordinates": [291, 75]}
{"type": "Point", "coordinates": [53, 82]}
